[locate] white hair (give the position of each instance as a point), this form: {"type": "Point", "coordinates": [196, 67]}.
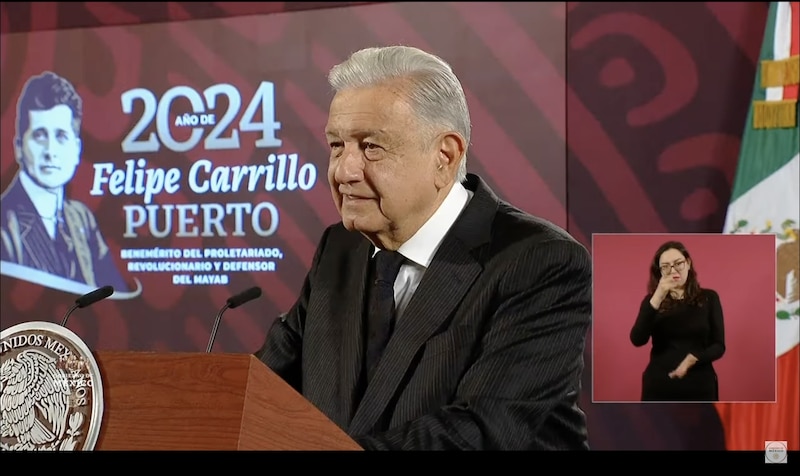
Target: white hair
{"type": "Point", "coordinates": [435, 94]}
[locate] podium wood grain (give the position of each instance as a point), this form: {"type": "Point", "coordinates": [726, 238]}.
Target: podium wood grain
{"type": "Point", "coordinates": [199, 401]}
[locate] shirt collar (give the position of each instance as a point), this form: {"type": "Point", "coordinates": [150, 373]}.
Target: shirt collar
{"type": "Point", "coordinates": [47, 203]}
{"type": "Point", "coordinates": [421, 247]}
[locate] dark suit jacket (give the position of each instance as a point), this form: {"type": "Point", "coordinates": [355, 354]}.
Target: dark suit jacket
{"type": "Point", "coordinates": [83, 256]}
{"type": "Point", "coordinates": [488, 353]}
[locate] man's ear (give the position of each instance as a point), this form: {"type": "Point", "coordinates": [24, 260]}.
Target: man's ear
{"type": "Point", "coordinates": [18, 150]}
{"type": "Point", "coordinates": [451, 151]}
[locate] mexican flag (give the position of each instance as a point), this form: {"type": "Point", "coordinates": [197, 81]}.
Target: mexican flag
{"type": "Point", "coordinates": [766, 199]}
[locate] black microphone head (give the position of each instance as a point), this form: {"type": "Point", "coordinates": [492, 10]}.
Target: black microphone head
{"type": "Point", "coordinates": [244, 296]}
{"type": "Point", "coordinates": [97, 295]}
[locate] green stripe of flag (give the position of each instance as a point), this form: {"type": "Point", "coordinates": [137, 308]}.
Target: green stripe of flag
{"type": "Point", "coordinates": [763, 151]}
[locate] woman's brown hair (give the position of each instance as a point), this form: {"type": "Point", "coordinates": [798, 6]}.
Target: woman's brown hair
{"type": "Point", "coordinates": [691, 291]}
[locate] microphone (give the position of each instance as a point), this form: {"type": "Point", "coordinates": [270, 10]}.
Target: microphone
{"type": "Point", "coordinates": [87, 300]}
{"type": "Point", "coordinates": [232, 303]}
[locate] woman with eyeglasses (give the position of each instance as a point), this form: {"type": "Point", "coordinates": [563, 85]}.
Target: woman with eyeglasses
{"type": "Point", "coordinates": [685, 324]}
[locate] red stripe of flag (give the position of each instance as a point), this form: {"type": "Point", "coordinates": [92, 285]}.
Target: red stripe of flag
{"type": "Point", "coordinates": [790, 91]}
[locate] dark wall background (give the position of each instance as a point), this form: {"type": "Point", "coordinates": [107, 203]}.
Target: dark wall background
{"type": "Point", "coordinates": [656, 93]}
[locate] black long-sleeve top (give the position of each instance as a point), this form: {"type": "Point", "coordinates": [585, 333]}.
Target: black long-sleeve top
{"type": "Point", "coordinates": [684, 328]}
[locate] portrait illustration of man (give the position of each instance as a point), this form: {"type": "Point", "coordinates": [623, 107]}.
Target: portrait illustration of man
{"type": "Point", "coordinates": [40, 227]}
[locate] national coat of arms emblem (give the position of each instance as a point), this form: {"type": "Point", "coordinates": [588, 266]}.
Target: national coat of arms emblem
{"type": "Point", "coordinates": [51, 395]}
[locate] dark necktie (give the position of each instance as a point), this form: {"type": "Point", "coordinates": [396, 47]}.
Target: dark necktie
{"type": "Point", "coordinates": [381, 308]}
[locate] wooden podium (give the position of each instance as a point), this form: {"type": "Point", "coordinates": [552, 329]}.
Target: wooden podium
{"type": "Point", "coordinates": [200, 401]}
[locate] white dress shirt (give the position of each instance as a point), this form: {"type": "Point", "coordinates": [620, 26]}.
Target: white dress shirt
{"type": "Point", "coordinates": [47, 203]}
{"type": "Point", "coordinates": [421, 247]}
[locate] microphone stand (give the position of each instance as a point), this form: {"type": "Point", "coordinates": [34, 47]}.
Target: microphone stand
{"type": "Point", "coordinates": [66, 316]}
{"type": "Point", "coordinates": [216, 326]}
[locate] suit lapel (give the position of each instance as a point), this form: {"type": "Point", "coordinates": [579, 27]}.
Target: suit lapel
{"type": "Point", "coordinates": [38, 244]}
{"type": "Point", "coordinates": [446, 281]}
{"type": "Point", "coordinates": [80, 242]}
{"type": "Point", "coordinates": [23, 206]}
{"type": "Point", "coordinates": [449, 277]}
{"type": "Point", "coordinates": [23, 236]}
{"type": "Point", "coordinates": [352, 343]}
{"type": "Point", "coordinates": [27, 221]}
{"type": "Point", "coordinates": [34, 246]}
{"type": "Point", "coordinates": [32, 233]}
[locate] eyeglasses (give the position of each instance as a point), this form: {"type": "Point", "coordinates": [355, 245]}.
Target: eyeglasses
{"type": "Point", "coordinates": [678, 265]}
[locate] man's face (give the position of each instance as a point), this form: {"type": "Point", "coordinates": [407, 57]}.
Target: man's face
{"type": "Point", "coordinates": [383, 168]}
{"type": "Point", "coordinates": [49, 151]}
